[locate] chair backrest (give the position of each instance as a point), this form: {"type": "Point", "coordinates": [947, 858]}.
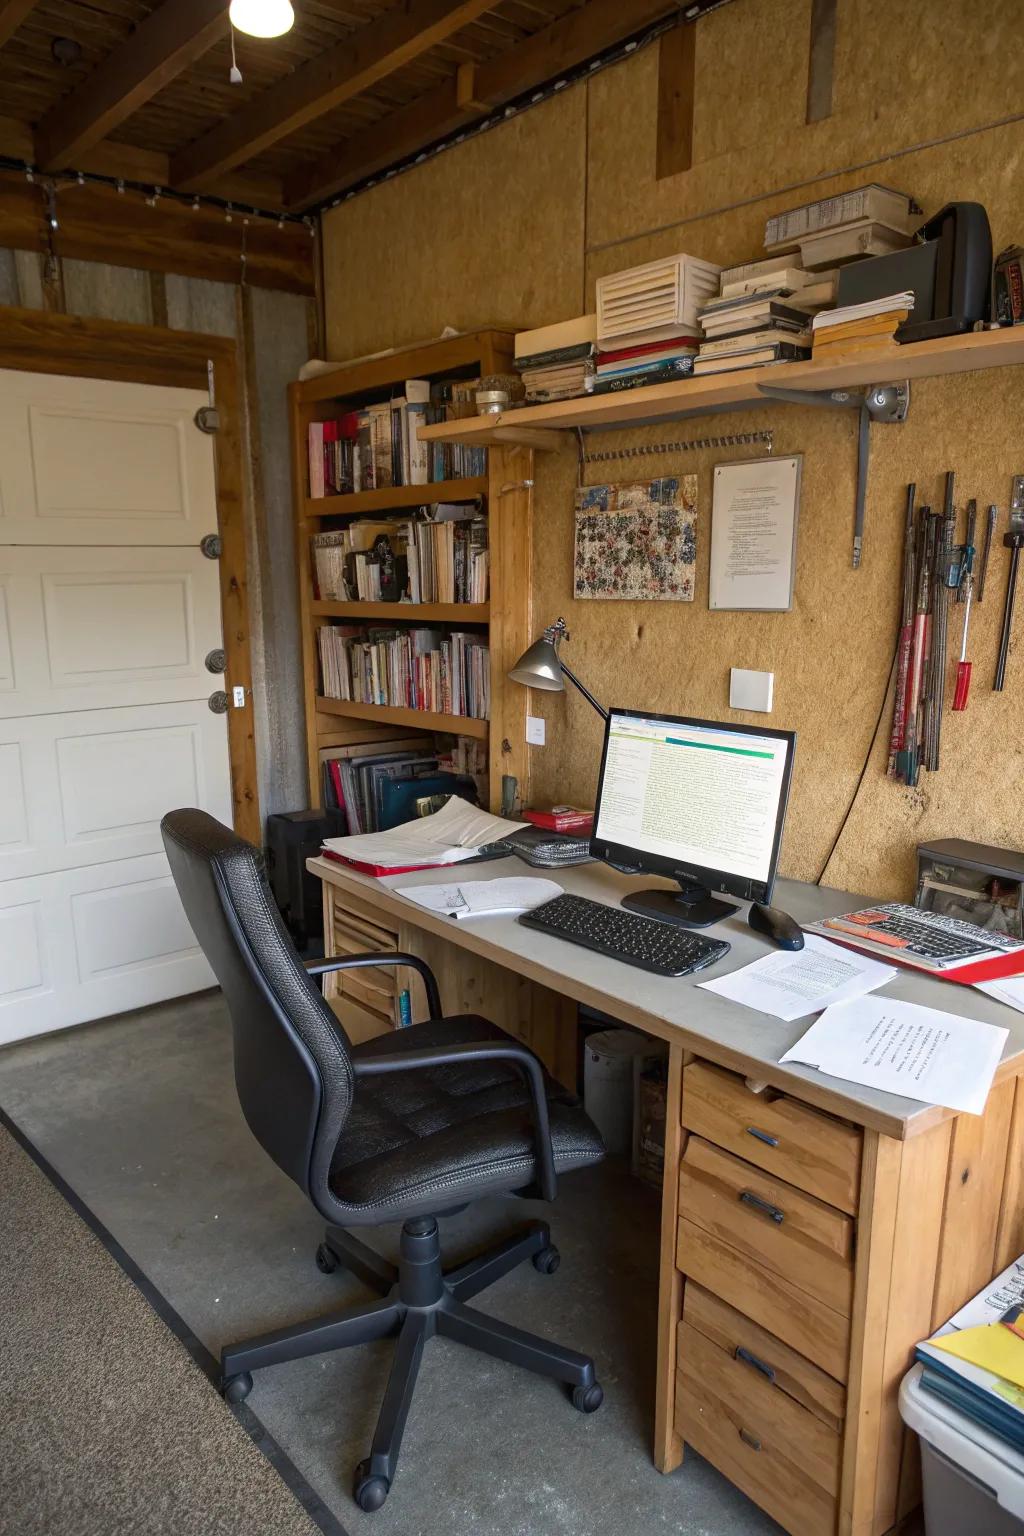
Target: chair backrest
{"type": "Point", "coordinates": [293, 1066]}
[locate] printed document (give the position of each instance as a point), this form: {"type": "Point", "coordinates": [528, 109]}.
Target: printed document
{"type": "Point", "coordinates": [1009, 990]}
{"type": "Point", "coordinates": [455, 832]}
{"type": "Point", "coordinates": [903, 1048]}
{"type": "Point", "coordinates": [480, 898]}
{"type": "Point", "coordinates": [791, 983]}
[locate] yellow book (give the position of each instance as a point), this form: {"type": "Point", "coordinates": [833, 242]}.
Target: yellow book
{"type": "Point", "coordinates": [994, 1347]}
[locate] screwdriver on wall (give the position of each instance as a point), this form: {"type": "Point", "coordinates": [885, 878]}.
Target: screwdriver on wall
{"type": "Point", "coordinates": [963, 669]}
{"type": "Point", "coordinates": [1013, 541]}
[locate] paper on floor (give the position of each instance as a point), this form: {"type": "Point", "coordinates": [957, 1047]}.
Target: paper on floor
{"type": "Point", "coordinates": [481, 898]}
{"type": "Point", "coordinates": [791, 983]}
{"type": "Point", "coordinates": [922, 1053]}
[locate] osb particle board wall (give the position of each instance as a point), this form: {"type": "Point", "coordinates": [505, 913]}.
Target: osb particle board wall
{"type": "Point", "coordinates": [518, 224]}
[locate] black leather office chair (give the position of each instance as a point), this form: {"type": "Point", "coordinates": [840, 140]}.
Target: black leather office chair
{"type": "Point", "coordinates": [407, 1127]}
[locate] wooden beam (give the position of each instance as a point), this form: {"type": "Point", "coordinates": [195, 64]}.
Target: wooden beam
{"type": "Point", "coordinates": [821, 60]}
{"type": "Point", "coordinates": [96, 224]}
{"type": "Point", "coordinates": [567, 42]}
{"type": "Point", "coordinates": [677, 77]}
{"type": "Point", "coordinates": [356, 64]}
{"type": "Point", "coordinates": [12, 14]}
{"type": "Point", "coordinates": [167, 42]}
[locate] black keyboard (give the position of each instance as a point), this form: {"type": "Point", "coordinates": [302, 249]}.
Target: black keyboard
{"type": "Point", "coordinates": [641, 941]}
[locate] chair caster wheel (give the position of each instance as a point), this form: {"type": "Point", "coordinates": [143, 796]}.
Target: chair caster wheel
{"type": "Point", "coordinates": [369, 1492]}
{"type": "Point", "coordinates": [236, 1388]}
{"type": "Point", "coordinates": [588, 1399]}
{"type": "Point", "coordinates": [326, 1260]}
{"type": "Point", "coordinates": [547, 1260]}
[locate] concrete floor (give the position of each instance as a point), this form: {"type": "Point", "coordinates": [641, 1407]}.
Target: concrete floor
{"type": "Point", "coordinates": [139, 1115]}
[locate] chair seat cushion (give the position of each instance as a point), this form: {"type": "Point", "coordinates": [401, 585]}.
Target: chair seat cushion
{"type": "Point", "coordinates": [427, 1139]}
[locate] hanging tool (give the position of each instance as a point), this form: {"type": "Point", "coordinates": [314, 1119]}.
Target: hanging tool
{"type": "Point", "coordinates": [1013, 541]}
{"type": "Point", "coordinates": [908, 760]}
{"type": "Point", "coordinates": [964, 594]}
{"type": "Point", "coordinates": [944, 579]}
{"type": "Point", "coordinates": [990, 528]}
{"type": "Point", "coordinates": [898, 736]}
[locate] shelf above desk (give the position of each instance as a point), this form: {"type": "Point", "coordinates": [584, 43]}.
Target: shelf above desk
{"type": "Point", "coordinates": [545, 425]}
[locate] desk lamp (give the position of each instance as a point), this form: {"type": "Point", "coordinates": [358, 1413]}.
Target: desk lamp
{"type": "Point", "coordinates": [541, 666]}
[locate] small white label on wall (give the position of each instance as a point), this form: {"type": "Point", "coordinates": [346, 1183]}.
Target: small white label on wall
{"type": "Point", "coordinates": [751, 690]}
{"type": "Point", "coordinates": [535, 730]}
{"type": "Point", "coordinates": [238, 697]}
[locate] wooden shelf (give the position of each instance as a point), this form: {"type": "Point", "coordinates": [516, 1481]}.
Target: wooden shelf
{"type": "Point", "coordinates": [542, 425]}
{"type": "Point", "coordinates": [396, 497]}
{"type": "Point", "coordinates": [406, 613]}
{"type": "Point", "coordinates": [421, 719]}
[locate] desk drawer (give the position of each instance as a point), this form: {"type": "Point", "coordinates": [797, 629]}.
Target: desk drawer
{"type": "Point", "coordinates": [782, 1371]}
{"type": "Point", "coordinates": [806, 1323]}
{"type": "Point", "coordinates": [755, 1456]}
{"type": "Point", "coordinates": [775, 1224]}
{"type": "Point", "coordinates": [814, 1151]}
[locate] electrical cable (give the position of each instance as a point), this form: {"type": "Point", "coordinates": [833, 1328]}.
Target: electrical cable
{"type": "Point", "coordinates": [867, 759]}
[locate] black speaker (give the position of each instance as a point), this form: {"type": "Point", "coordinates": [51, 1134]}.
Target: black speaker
{"type": "Point", "coordinates": [292, 837]}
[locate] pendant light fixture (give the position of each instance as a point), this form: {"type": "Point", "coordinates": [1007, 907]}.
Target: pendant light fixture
{"type": "Point", "coordinates": [262, 18]}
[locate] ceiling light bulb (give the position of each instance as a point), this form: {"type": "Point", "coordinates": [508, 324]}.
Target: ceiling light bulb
{"type": "Point", "coordinates": [262, 18]}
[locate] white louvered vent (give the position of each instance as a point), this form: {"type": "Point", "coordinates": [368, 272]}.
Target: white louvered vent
{"type": "Point", "coordinates": [658, 300]}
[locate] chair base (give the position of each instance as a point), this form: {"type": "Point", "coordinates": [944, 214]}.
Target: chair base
{"type": "Point", "coordinates": [419, 1299]}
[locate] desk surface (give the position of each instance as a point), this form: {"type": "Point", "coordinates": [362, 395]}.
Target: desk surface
{"type": "Point", "coordinates": [676, 1009]}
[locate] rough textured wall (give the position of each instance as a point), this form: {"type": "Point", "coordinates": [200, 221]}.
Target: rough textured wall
{"type": "Point", "coordinates": [906, 114]}
{"type": "Point", "coordinates": [272, 332]}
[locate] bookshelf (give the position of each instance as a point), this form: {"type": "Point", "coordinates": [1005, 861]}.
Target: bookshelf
{"type": "Point", "coordinates": [504, 619]}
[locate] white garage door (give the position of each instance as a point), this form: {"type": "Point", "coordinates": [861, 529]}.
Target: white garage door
{"type": "Point", "coordinates": [108, 613]}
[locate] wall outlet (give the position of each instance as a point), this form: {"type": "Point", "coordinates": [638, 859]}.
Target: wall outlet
{"type": "Point", "coordinates": [535, 730]}
{"type": "Point", "coordinates": [751, 690]}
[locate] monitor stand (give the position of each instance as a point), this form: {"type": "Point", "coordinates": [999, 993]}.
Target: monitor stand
{"type": "Point", "coordinates": [693, 907]}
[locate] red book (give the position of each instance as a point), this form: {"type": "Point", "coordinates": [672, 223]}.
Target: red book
{"type": "Point", "coordinates": [622, 354]}
{"type": "Point", "coordinates": [561, 818]}
{"type": "Point", "coordinates": [377, 870]}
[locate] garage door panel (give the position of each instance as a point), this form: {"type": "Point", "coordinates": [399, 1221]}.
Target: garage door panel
{"type": "Point", "coordinates": [90, 787]}
{"type": "Point", "coordinates": [98, 462]}
{"type": "Point", "coordinates": [84, 633]}
{"type": "Point", "coordinates": [83, 944]}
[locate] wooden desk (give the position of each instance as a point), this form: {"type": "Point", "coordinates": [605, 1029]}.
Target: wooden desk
{"type": "Point", "coordinates": [892, 1213]}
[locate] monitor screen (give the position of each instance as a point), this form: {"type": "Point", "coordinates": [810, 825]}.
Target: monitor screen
{"type": "Point", "coordinates": [695, 795]}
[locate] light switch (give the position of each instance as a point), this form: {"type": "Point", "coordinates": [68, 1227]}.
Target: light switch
{"type": "Point", "coordinates": [238, 695]}
{"type": "Point", "coordinates": [535, 730]}
{"type": "Point", "coordinates": [751, 690]}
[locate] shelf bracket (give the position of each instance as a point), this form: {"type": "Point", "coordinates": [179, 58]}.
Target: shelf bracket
{"type": "Point", "coordinates": [886, 403]}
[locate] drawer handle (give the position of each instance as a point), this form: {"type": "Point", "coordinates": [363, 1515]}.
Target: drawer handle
{"type": "Point", "coordinates": [747, 1358]}
{"type": "Point", "coordinates": [769, 1141]}
{"type": "Point", "coordinates": [762, 1206]}
{"type": "Point", "coordinates": [749, 1439]}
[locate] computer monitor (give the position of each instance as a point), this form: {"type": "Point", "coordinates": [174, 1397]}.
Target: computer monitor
{"type": "Point", "coordinates": [698, 801]}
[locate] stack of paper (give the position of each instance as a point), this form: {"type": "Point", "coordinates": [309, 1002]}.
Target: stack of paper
{"type": "Point", "coordinates": [976, 1361]}
{"type": "Point", "coordinates": [791, 983]}
{"type": "Point", "coordinates": [482, 898]}
{"type": "Point", "coordinates": [454, 833]}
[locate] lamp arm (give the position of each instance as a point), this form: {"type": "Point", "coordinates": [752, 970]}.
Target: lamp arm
{"type": "Point", "coordinates": [583, 689]}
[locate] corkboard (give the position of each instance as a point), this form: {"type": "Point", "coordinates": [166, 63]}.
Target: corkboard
{"type": "Point", "coordinates": [517, 196]}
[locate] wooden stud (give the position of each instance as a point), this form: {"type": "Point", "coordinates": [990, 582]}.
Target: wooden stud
{"type": "Point", "coordinates": [510, 518]}
{"type": "Point", "coordinates": [668, 1443]}
{"type": "Point", "coordinates": [145, 354]}
{"type": "Point", "coordinates": [575, 37]}
{"type": "Point", "coordinates": [876, 1231]}
{"type": "Point", "coordinates": [466, 97]}
{"type": "Point", "coordinates": [360, 61]}
{"type": "Point", "coordinates": [162, 45]}
{"type": "Point", "coordinates": [1010, 1232]}
{"type": "Point", "coordinates": [677, 64]}
{"type": "Point", "coordinates": [12, 14]}
{"type": "Point", "coordinates": [821, 60]}
{"type": "Point", "coordinates": [300, 415]}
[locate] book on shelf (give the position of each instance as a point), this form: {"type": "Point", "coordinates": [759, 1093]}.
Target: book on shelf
{"type": "Point", "coordinates": [560, 337]}
{"type": "Point", "coordinates": [877, 310]}
{"type": "Point", "coordinates": [756, 312]}
{"type": "Point", "coordinates": [647, 351]}
{"type": "Point", "coordinates": [441, 556]}
{"type": "Point", "coordinates": [377, 446]}
{"type": "Point", "coordinates": [746, 341]}
{"type": "Point", "coordinates": [437, 671]}
{"type": "Point", "coordinates": [660, 373]}
{"type": "Point", "coordinates": [872, 203]}
{"type": "Point", "coordinates": [778, 352]}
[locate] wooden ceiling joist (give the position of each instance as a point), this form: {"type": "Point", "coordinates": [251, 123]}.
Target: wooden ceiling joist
{"type": "Point", "coordinates": [354, 66]}
{"type": "Point", "coordinates": [12, 14]}
{"type": "Point", "coordinates": [568, 42]}
{"type": "Point", "coordinates": [163, 45]}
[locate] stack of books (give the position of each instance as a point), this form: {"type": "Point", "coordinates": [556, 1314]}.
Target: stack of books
{"type": "Point", "coordinates": [749, 331]}
{"type": "Point", "coordinates": [869, 221]}
{"type": "Point", "coordinates": [422, 669]}
{"type": "Point", "coordinates": [378, 446]}
{"type": "Point", "coordinates": [376, 784]}
{"type": "Point", "coordinates": [448, 558]}
{"type": "Point", "coordinates": [646, 362]}
{"type": "Point", "coordinates": [975, 1362]}
{"type": "Point", "coordinates": [861, 327]}
{"type": "Point", "coordinates": [441, 556]}
{"type": "Point", "coordinates": [555, 360]}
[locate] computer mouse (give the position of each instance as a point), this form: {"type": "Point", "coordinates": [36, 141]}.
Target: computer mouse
{"type": "Point", "coordinates": [776, 925]}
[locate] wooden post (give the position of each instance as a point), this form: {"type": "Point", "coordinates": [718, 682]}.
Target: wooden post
{"type": "Point", "coordinates": [510, 509]}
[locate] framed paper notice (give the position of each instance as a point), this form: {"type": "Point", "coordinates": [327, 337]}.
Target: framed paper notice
{"type": "Point", "coordinates": [753, 533]}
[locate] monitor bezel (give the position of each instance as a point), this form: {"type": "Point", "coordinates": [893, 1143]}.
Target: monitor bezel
{"type": "Point", "coordinates": [654, 864]}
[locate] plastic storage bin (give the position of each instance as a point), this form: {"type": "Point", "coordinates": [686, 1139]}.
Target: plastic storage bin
{"type": "Point", "coordinates": [973, 1481]}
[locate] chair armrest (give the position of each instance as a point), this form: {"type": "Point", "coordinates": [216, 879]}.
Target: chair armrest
{"type": "Point", "coordinates": [484, 1050]}
{"type": "Point", "coordinates": [385, 957]}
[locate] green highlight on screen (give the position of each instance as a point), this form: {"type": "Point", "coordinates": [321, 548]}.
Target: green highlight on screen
{"type": "Point", "coordinates": [703, 746]}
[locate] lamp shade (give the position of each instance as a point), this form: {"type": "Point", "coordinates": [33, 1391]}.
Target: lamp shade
{"type": "Point", "coordinates": [262, 18]}
{"type": "Point", "coordinates": [539, 667]}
